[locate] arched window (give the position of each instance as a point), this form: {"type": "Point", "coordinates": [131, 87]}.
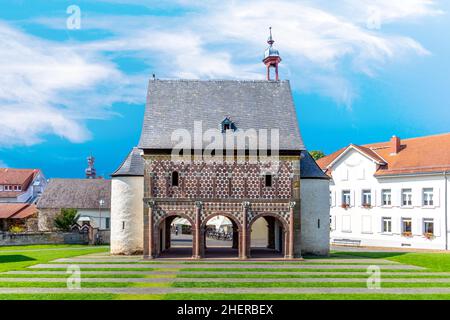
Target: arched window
{"type": "Point", "coordinates": [175, 179]}
{"type": "Point", "coordinates": [268, 180]}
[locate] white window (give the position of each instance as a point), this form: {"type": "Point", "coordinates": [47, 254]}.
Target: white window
{"type": "Point", "coordinates": [386, 197]}
{"type": "Point", "coordinates": [428, 226]}
{"type": "Point", "coordinates": [428, 196]}
{"type": "Point", "coordinates": [406, 197]}
{"type": "Point", "coordinates": [386, 225]}
{"type": "Point", "coordinates": [407, 227]}
{"type": "Point", "coordinates": [346, 198]}
{"type": "Point", "coordinates": [366, 198]}
{"type": "Point", "coordinates": [1, 188]}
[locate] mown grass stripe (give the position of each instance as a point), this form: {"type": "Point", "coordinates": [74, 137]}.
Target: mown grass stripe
{"type": "Point", "coordinates": [306, 285]}
{"type": "Point", "coordinates": [63, 284]}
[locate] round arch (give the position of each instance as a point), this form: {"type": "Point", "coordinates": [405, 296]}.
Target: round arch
{"type": "Point", "coordinates": [277, 238]}
{"type": "Point", "coordinates": [218, 252]}
{"type": "Point", "coordinates": [163, 237]}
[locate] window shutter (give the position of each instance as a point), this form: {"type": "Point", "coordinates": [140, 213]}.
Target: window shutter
{"type": "Point", "coordinates": [417, 226]}
{"type": "Point", "coordinates": [417, 197]}
{"type": "Point", "coordinates": [352, 195]}
{"type": "Point", "coordinates": [373, 201]}
{"type": "Point", "coordinates": [366, 224]}
{"type": "Point", "coordinates": [436, 196]}
{"type": "Point", "coordinates": [333, 198]}
{"type": "Point", "coordinates": [346, 223]}
{"type": "Point", "coordinates": [333, 222]}
{"type": "Point", "coordinates": [358, 197]}
{"type": "Point", "coordinates": [437, 227]}
{"type": "Point", "coordinates": [396, 225]}
{"type": "Point", "coordinates": [396, 195]}
{"type": "Point", "coordinates": [338, 195]}
{"type": "Point", "coordinates": [377, 193]}
{"type": "Point", "coordinates": [379, 225]}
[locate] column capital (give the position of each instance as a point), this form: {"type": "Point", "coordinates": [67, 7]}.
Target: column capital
{"type": "Point", "coordinates": [199, 204]}
{"type": "Point", "coordinates": [150, 203]}
{"type": "Point", "coordinates": [245, 204]}
{"type": "Point", "coordinates": [292, 204]}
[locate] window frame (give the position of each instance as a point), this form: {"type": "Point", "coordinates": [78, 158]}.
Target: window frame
{"type": "Point", "coordinates": [426, 221]}
{"type": "Point", "coordinates": [175, 179]}
{"type": "Point", "coordinates": [366, 193]}
{"type": "Point", "coordinates": [383, 220]}
{"type": "Point", "coordinates": [428, 197]}
{"type": "Point", "coordinates": [407, 192]}
{"type": "Point", "coordinates": [346, 194]}
{"type": "Point", "coordinates": [386, 192]}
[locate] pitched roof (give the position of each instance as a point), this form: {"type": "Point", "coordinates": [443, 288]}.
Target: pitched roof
{"type": "Point", "coordinates": [16, 210]}
{"type": "Point", "coordinates": [309, 168]}
{"type": "Point", "coordinates": [417, 155]}
{"type": "Point", "coordinates": [133, 165]}
{"type": "Point", "coordinates": [177, 104]}
{"type": "Point", "coordinates": [76, 194]}
{"type": "Point", "coordinates": [21, 177]}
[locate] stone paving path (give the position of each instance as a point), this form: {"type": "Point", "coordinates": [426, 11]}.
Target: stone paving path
{"type": "Point", "coordinates": [138, 265]}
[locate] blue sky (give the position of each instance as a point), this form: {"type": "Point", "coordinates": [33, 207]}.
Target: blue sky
{"type": "Point", "coordinates": [360, 70]}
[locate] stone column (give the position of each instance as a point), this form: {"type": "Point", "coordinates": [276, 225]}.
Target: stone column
{"type": "Point", "coordinates": [290, 252]}
{"type": "Point", "coordinates": [198, 212]}
{"type": "Point", "coordinates": [148, 230]}
{"type": "Point", "coordinates": [244, 244]}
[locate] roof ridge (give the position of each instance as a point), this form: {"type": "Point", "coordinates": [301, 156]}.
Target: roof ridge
{"type": "Point", "coordinates": [408, 139]}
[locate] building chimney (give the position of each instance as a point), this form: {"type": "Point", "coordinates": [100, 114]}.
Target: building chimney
{"type": "Point", "coordinates": [395, 145]}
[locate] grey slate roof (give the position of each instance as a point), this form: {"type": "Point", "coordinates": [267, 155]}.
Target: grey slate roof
{"type": "Point", "coordinates": [176, 104]}
{"type": "Point", "coordinates": [309, 169]}
{"type": "Point", "coordinates": [133, 165]}
{"type": "Point", "coordinates": [76, 194]}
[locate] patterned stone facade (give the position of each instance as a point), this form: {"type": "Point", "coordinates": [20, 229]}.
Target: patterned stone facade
{"type": "Point", "coordinates": [236, 190]}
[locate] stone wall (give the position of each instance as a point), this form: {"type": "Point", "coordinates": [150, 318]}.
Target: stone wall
{"type": "Point", "coordinates": [46, 219]}
{"type": "Point", "coordinates": [8, 239]}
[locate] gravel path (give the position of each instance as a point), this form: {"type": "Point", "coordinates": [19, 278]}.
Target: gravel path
{"type": "Point", "coordinates": [191, 262]}
{"type": "Point", "coordinates": [245, 280]}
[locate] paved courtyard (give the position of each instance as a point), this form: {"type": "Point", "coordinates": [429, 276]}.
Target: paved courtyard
{"type": "Point", "coordinates": [101, 273]}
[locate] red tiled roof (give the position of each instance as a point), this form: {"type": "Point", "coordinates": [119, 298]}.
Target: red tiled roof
{"type": "Point", "coordinates": [17, 176]}
{"type": "Point", "coordinates": [16, 210]}
{"type": "Point", "coordinates": [416, 155]}
{"type": "Point", "coordinates": [25, 212]}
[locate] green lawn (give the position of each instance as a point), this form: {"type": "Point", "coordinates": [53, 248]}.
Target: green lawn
{"type": "Point", "coordinates": [21, 257]}
{"type": "Point", "coordinates": [436, 262]}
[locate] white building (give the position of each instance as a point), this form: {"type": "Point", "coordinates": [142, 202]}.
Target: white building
{"type": "Point", "coordinates": [21, 185]}
{"type": "Point", "coordinates": [391, 194]}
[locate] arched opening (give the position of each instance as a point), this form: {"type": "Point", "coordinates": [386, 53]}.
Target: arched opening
{"type": "Point", "coordinates": [268, 237]}
{"type": "Point", "coordinates": [220, 237]}
{"type": "Point", "coordinates": [175, 237]}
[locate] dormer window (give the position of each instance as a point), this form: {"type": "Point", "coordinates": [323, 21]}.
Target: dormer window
{"type": "Point", "coordinates": [175, 178]}
{"type": "Point", "coordinates": [227, 124]}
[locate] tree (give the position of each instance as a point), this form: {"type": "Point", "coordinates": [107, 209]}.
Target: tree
{"type": "Point", "coordinates": [317, 154]}
{"type": "Point", "coordinates": [66, 219]}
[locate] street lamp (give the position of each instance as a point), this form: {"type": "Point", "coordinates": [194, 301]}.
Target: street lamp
{"type": "Point", "coordinates": [101, 203]}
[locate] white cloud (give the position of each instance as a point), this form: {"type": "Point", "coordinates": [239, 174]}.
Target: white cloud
{"type": "Point", "coordinates": [49, 87]}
